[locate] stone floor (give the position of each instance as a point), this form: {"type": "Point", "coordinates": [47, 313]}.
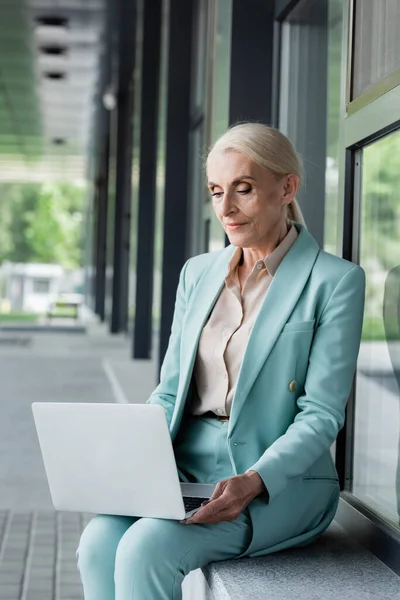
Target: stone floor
{"type": "Point", "coordinates": [37, 555]}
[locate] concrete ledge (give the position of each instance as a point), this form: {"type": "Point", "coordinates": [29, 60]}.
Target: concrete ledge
{"type": "Point", "coordinates": [334, 566]}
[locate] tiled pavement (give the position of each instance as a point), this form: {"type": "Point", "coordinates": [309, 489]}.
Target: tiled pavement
{"type": "Point", "coordinates": [37, 555]}
{"type": "Point", "coordinates": [37, 543]}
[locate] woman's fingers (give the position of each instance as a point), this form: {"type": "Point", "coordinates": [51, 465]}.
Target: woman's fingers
{"type": "Point", "coordinates": [225, 504]}
{"type": "Point", "coordinates": [213, 511]}
{"type": "Point", "coordinates": [218, 490]}
{"type": "Point", "coordinates": [225, 515]}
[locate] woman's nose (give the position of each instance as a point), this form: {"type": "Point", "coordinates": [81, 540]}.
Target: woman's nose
{"type": "Point", "coordinates": [227, 205]}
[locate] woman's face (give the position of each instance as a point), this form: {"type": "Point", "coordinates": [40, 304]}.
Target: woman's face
{"type": "Point", "coordinates": [247, 199]}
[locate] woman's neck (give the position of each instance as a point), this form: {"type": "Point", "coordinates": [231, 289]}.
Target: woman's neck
{"type": "Point", "coordinates": [251, 255]}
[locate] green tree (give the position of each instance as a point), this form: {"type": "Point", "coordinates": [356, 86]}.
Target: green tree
{"type": "Point", "coordinates": [41, 223]}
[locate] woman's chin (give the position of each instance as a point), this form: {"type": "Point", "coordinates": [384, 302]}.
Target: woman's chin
{"type": "Point", "coordinates": [236, 238]}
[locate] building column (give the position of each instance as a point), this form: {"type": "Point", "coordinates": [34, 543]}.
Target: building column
{"type": "Point", "coordinates": [176, 160]}
{"type": "Point", "coordinates": [150, 76]}
{"type": "Point", "coordinates": [101, 229]}
{"type": "Point", "coordinates": [251, 48]}
{"type": "Point", "coordinates": [121, 241]}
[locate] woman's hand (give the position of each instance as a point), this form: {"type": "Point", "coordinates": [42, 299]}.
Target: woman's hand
{"type": "Point", "coordinates": [229, 499]}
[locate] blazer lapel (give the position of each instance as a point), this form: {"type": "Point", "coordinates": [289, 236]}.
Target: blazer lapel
{"type": "Point", "coordinates": [278, 304]}
{"type": "Point", "coordinates": [204, 297]}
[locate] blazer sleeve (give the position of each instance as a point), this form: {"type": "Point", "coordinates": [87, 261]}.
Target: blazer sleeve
{"type": "Point", "coordinates": [166, 391]}
{"type": "Point", "coordinates": [332, 364]}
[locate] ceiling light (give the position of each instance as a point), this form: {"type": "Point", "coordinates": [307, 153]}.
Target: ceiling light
{"type": "Point", "coordinates": [53, 50]}
{"type": "Point", "coordinates": [52, 21]}
{"type": "Point", "coordinates": [54, 75]}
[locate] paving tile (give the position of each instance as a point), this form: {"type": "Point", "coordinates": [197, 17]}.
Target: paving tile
{"type": "Point", "coordinates": [48, 540]}
{"type": "Point", "coordinates": [41, 561]}
{"type": "Point", "coordinates": [11, 566]}
{"type": "Point", "coordinates": [12, 577]}
{"type": "Point", "coordinates": [69, 567]}
{"type": "Point", "coordinates": [72, 590]}
{"type": "Point", "coordinates": [42, 572]}
{"type": "Point", "coordinates": [39, 596]}
{"type": "Point", "coordinates": [70, 581]}
{"type": "Point", "coordinates": [15, 534]}
{"type": "Point", "coordinates": [44, 585]}
{"type": "Point", "coordinates": [44, 551]}
{"type": "Point", "coordinates": [21, 517]}
{"type": "Point", "coordinates": [15, 544]}
{"type": "Point", "coordinates": [9, 589]}
{"type": "Point", "coordinates": [14, 554]}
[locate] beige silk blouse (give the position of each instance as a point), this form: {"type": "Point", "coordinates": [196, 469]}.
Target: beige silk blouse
{"type": "Point", "coordinates": [224, 337]}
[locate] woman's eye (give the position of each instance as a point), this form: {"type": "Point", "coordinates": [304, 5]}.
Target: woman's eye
{"type": "Point", "coordinates": [217, 194]}
{"type": "Point", "coordinates": [246, 191]}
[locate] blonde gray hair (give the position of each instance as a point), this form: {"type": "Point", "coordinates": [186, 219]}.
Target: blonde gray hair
{"type": "Point", "coordinates": [268, 148]}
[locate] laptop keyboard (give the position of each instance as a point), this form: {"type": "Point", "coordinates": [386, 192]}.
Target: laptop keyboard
{"type": "Point", "coordinates": [190, 502]}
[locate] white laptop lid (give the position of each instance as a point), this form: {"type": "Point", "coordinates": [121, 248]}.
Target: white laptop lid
{"type": "Point", "coordinates": [109, 458]}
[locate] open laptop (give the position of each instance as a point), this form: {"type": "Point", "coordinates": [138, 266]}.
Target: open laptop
{"type": "Point", "coordinates": [113, 459]}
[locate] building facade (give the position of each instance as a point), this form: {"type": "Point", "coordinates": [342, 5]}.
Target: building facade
{"type": "Point", "coordinates": [327, 74]}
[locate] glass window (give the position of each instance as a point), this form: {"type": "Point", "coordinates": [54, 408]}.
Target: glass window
{"type": "Point", "coordinates": [221, 70]}
{"type": "Point", "coordinates": [199, 56]}
{"type": "Point", "coordinates": [197, 190]}
{"type": "Point", "coordinates": [376, 474]}
{"type": "Point", "coordinates": [41, 286]}
{"type": "Point", "coordinates": [376, 42]}
{"type": "Point", "coordinates": [220, 104]}
{"type": "Point", "coordinates": [309, 108]}
{"type": "Point", "coordinates": [334, 58]}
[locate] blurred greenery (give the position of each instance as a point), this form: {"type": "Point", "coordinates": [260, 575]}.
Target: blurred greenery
{"type": "Point", "coordinates": [41, 223]}
{"type": "Point", "coordinates": [18, 316]}
{"type": "Point", "coordinates": [381, 202]}
{"type": "Point", "coordinates": [61, 312]}
{"type": "Point", "coordinates": [373, 330]}
{"type": "Point", "coordinates": [380, 228]}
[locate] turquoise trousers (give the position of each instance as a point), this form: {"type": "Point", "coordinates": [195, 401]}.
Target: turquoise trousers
{"type": "Point", "coordinates": [128, 558]}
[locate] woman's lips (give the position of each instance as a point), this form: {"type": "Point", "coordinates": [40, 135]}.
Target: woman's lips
{"type": "Point", "coordinates": [234, 226]}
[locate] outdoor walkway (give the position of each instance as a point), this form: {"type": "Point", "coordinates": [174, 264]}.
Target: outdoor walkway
{"type": "Point", "coordinates": [37, 543]}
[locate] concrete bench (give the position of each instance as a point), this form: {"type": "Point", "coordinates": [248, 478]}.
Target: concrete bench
{"type": "Point", "coordinates": [335, 566]}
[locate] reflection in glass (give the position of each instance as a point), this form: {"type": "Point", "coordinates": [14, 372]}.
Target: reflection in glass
{"type": "Point", "coordinates": [222, 70]}
{"type": "Point", "coordinates": [376, 42]}
{"type": "Point", "coordinates": [220, 103]}
{"type": "Point", "coordinates": [309, 112]}
{"type": "Point", "coordinates": [334, 56]}
{"type": "Point", "coordinates": [197, 189]}
{"type": "Point", "coordinates": [376, 476]}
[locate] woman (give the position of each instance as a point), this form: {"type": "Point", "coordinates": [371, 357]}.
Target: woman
{"type": "Point", "coordinates": [254, 383]}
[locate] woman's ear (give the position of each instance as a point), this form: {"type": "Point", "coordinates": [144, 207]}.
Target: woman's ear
{"type": "Point", "coordinates": [291, 186]}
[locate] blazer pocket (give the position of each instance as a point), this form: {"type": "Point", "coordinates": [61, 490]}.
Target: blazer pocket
{"type": "Point", "coordinates": [299, 326]}
{"type": "Point", "coordinates": [321, 479]}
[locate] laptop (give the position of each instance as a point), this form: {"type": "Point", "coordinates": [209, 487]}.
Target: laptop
{"type": "Point", "coordinates": [113, 459]}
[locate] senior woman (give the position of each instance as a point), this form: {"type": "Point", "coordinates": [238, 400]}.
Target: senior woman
{"type": "Point", "coordinates": [259, 366]}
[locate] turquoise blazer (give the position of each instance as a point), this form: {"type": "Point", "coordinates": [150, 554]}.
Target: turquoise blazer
{"type": "Point", "coordinates": [293, 385]}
